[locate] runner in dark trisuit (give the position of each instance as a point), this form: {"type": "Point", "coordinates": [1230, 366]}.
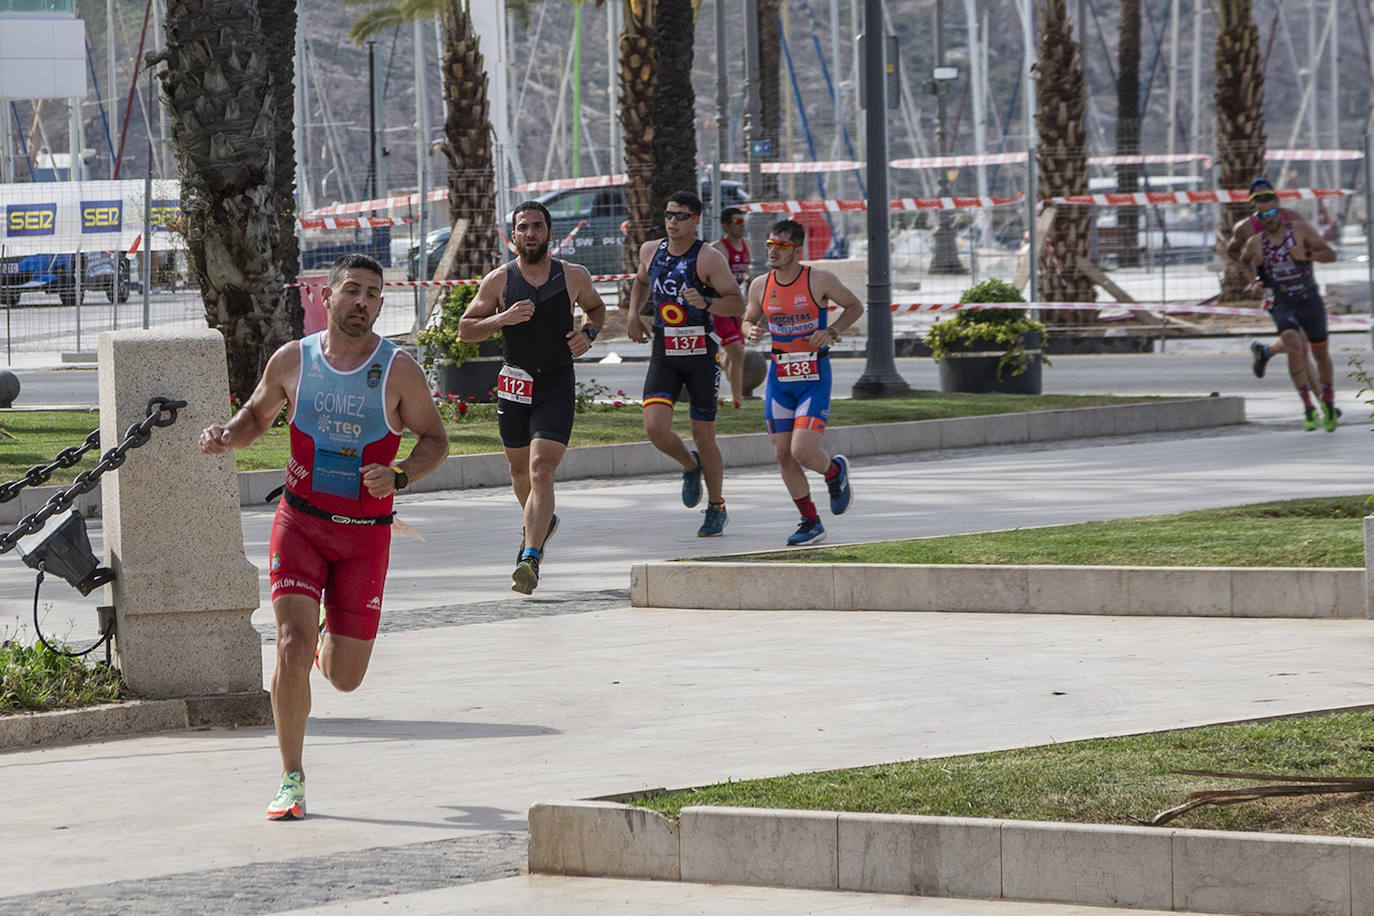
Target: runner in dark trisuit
{"type": "Point", "coordinates": [683, 284]}
{"type": "Point", "coordinates": [530, 301]}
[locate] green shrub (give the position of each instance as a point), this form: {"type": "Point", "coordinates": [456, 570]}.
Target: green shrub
{"type": "Point", "coordinates": [1006, 328]}
{"type": "Point", "coordinates": [439, 341]}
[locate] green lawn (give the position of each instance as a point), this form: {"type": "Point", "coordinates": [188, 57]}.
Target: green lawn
{"type": "Point", "coordinates": [1105, 781]}
{"type": "Point", "coordinates": [1323, 532]}
{"type": "Point", "coordinates": [29, 438]}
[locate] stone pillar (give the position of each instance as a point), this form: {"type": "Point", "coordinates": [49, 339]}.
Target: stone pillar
{"type": "Point", "coordinates": [172, 531]}
{"type": "Point", "coordinates": [1369, 565]}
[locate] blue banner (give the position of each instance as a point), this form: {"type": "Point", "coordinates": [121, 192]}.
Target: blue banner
{"type": "Point", "coordinates": [31, 219]}
{"type": "Point", "coordinates": [102, 216]}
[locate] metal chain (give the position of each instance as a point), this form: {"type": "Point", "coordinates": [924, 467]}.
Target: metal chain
{"type": "Point", "coordinates": [38, 475]}
{"type": "Point", "coordinates": [161, 412]}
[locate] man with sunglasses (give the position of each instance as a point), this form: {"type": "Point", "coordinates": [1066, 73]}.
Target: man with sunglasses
{"type": "Point", "coordinates": [1280, 256]}
{"type": "Point", "coordinates": [1263, 196]}
{"type": "Point", "coordinates": [684, 284]}
{"type": "Point", "coordinates": [792, 303]}
{"type": "Point", "coordinates": [735, 247]}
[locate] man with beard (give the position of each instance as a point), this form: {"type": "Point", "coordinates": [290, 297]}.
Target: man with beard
{"type": "Point", "coordinates": [1280, 256]}
{"type": "Point", "coordinates": [349, 394]}
{"type": "Point", "coordinates": [530, 301]}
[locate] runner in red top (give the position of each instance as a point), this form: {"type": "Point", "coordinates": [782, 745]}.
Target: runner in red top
{"type": "Point", "coordinates": [349, 394]}
{"type": "Point", "coordinates": [735, 247]}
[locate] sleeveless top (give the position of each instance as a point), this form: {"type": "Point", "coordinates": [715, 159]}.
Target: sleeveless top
{"type": "Point", "coordinates": [1279, 268]}
{"type": "Point", "coordinates": [669, 276]}
{"type": "Point", "coordinates": [793, 313]}
{"type": "Point", "coordinates": [540, 344]}
{"type": "Point", "coordinates": [738, 258]}
{"type": "Point", "coordinates": [340, 425]}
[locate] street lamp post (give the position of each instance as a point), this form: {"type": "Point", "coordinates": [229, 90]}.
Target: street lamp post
{"type": "Point", "coordinates": [880, 378]}
{"type": "Point", "coordinates": [944, 257]}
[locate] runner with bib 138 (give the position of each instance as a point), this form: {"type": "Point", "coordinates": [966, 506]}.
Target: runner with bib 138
{"type": "Point", "coordinates": [791, 303]}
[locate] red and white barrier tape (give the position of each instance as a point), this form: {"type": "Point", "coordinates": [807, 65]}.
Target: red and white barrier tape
{"type": "Point", "coordinates": [900, 203]}
{"type": "Point", "coordinates": [793, 168]}
{"type": "Point", "coordinates": [351, 222]}
{"type": "Point", "coordinates": [412, 284]}
{"type": "Point", "coordinates": [559, 184]}
{"type": "Point", "coordinates": [1313, 155]}
{"type": "Point", "coordinates": [379, 203]}
{"type": "Point", "coordinates": [1166, 308]}
{"type": "Point", "coordinates": [1190, 197]}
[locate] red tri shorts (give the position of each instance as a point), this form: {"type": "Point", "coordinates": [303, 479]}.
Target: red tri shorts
{"type": "Point", "coordinates": [727, 329]}
{"type": "Point", "coordinates": [344, 564]}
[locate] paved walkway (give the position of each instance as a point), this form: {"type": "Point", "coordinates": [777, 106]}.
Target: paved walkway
{"type": "Point", "coordinates": [480, 702]}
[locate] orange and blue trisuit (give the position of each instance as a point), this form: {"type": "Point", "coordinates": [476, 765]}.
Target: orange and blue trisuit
{"type": "Point", "coordinates": [797, 395]}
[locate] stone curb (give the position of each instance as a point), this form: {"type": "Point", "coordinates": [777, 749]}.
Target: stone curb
{"type": "Point", "coordinates": [1153, 591]}
{"type": "Point", "coordinates": [753, 449]}
{"type": "Point", "coordinates": [114, 720]}
{"type": "Point", "coordinates": [1088, 864]}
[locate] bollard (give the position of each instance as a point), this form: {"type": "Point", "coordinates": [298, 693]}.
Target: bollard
{"type": "Point", "coordinates": [1369, 565]}
{"type": "Point", "coordinates": [9, 388]}
{"type": "Point", "coordinates": [184, 590]}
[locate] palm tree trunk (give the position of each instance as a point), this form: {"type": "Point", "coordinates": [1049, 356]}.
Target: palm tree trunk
{"type": "Point", "coordinates": [1128, 127]}
{"type": "Point", "coordinates": [637, 65]}
{"type": "Point", "coordinates": [770, 88]}
{"type": "Point", "coordinates": [225, 125]}
{"type": "Point", "coordinates": [674, 103]}
{"type": "Point", "coordinates": [1240, 122]}
{"type": "Point", "coordinates": [1063, 163]}
{"type": "Point", "coordinates": [467, 129]}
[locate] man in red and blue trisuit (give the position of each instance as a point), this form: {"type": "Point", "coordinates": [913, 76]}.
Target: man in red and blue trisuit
{"type": "Point", "coordinates": [349, 395]}
{"type": "Point", "coordinates": [735, 247]}
{"type": "Point", "coordinates": [791, 302]}
{"type": "Point", "coordinates": [683, 283]}
{"type": "Point", "coordinates": [1280, 257]}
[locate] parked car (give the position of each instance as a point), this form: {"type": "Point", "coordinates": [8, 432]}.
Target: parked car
{"type": "Point", "coordinates": [53, 273]}
{"type": "Point", "coordinates": [597, 214]}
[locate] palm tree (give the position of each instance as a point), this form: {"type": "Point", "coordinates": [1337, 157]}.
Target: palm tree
{"type": "Point", "coordinates": [674, 106]}
{"type": "Point", "coordinates": [1063, 164]}
{"type": "Point", "coordinates": [467, 124]}
{"type": "Point", "coordinates": [770, 88]}
{"type": "Point", "coordinates": [227, 83]}
{"type": "Point", "coordinates": [1240, 120]}
{"type": "Point", "coordinates": [1128, 125]}
{"type": "Point", "coordinates": [637, 68]}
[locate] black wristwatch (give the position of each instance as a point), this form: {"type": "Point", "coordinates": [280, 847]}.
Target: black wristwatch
{"type": "Point", "coordinates": [589, 331]}
{"type": "Point", "coordinates": [402, 481]}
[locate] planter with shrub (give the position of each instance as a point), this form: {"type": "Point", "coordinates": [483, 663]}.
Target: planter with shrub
{"type": "Point", "coordinates": [458, 367]}
{"type": "Point", "coordinates": [989, 350]}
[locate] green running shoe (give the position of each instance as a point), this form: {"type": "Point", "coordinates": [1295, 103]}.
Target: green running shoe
{"type": "Point", "coordinates": [1310, 419]}
{"type": "Point", "coordinates": [526, 575]}
{"type": "Point", "coordinates": [289, 805]}
{"type": "Point", "coordinates": [1331, 415]}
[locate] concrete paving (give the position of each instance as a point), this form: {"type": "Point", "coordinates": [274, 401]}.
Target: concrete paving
{"type": "Point", "coordinates": [480, 702]}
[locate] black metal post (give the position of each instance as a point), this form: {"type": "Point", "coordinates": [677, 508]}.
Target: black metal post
{"type": "Point", "coordinates": [880, 378]}
{"type": "Point", "coordinates": [944, 258]}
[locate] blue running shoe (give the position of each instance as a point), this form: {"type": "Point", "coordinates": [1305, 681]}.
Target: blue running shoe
{"type": "Point", "coordinates": [548, 536]}
{"type": "Point", "coordinates": [810, 531]}
{"type": "Point", "coordinates": [714, 525]}
{"type": "Point", "coordinates": [691, 484]}
{"type": "Point", "coordinates": [841, 496]}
